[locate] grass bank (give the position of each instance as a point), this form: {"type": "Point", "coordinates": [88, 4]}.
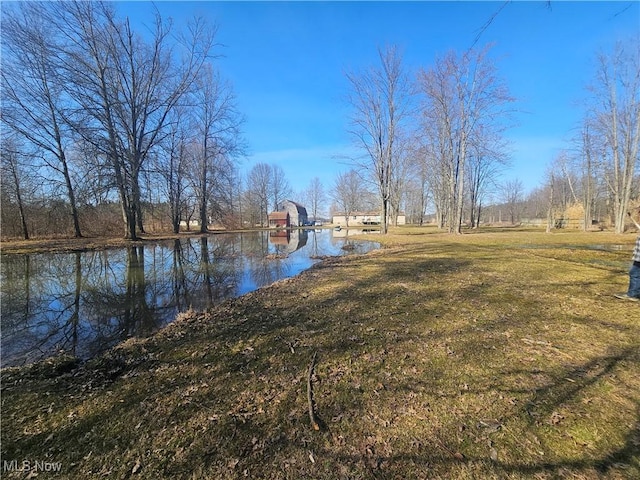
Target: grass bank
{"type": "Point", "coordinates": [488, 355]}
{"type": "Point", "coordinates": [83, 244]}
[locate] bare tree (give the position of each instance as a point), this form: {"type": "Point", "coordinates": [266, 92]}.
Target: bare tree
{"type": "Point", "coordinates": [557, 192]}
{"type": "Point", "coordinates": [225, 201]}
{"type": "Point", "coordinates": [583, 169]}
{"type": "Point", "coordinates": [267, 187]}
{"type": "Point", "coordinates": [316, 196]}
{"type": "Point", "coordinates": [12, 179]}
{"type": "Point", "coordinates": [125, 87]}
{"type": "Point", "coordinates": [349, 193]}
{"type": "Point", "coordinates": [259, 190]}
{"type": "Point", "coordinates": [442, 114]}
{"type": "Point", "coordinates": [462, 96]}
{"type": "Point", "coordinates": [587, 166]}
{"type": "Point", "coordinates": [435, 167]}
{"type": "Point", "coordinates": [171, 166]}
{"type": "Point", "coordinates": [399, 182]}
{"type": "Point", "coordinates": [417, 191]}
{"type": "Point", "coordinates": [487, 160]}
{"type": "Point", "coordinates": [513, 195]}
{"type": "Point", "coordinates": [380, 102]}
{"type": "Point", "coordinates": [616, 96]}
{"type": "Point", "coordinates": [217, 122]}
{"type": "Point", "coordinates": [280, 188]}
{"type": "Point", "coordinates": [551, 189]}
{"type": "Point", "coordinates": [34, 102]}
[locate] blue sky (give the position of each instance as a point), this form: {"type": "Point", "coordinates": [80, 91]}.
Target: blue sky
{"type": "Point", "coordinates": [287, 63]}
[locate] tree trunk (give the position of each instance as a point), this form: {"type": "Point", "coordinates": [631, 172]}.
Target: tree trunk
{"type": "Point", "coordinates": [383, 216]}
{"type": "Point", "coordinates": [72, 199]}
{"type": "Point", "coordinates": [460, 174]}
{"type": "Point", "coordinates": [550, 208]}
{"type": "Point", "coordinates": [23, 218]}
{"type": "Point", "coordinates": [203, 198]}
{"type": "Point", "coordinates": [131, 222]}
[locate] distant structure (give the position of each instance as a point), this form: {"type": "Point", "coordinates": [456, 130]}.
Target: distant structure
{"type": "Point", "coordinates": [296, 215]}
{"type": "Point", "coordinates": [363, 218]}
{"type": "Point", "coordinates": [279, 220]}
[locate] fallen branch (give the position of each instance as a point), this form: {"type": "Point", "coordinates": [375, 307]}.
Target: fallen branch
{"type": "Point", "coordinates": [312, 415]}
{"type": "Point", "coordinates": [549, 345]}
{"type": "Point", "coordinates": [457, 455]}
{"type": "Point", "coordinates": [536, 342]}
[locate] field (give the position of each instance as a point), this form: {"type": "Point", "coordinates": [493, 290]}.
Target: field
{"type": "Point", "coordinates": [494, 354]}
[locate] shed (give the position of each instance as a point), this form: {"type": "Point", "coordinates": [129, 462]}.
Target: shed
{"type": "Point", "coordinates": [279, 219]}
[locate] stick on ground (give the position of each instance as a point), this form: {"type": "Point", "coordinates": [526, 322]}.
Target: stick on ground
{"type": "Point", "coordinates": [312, 415]}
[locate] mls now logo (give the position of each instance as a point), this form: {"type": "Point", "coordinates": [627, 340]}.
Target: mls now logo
{"type": "Point", "coordinates": [29, 466]}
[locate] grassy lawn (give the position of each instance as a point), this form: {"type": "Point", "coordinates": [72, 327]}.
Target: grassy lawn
{"type": "Point", "coordinates": [497, 354]}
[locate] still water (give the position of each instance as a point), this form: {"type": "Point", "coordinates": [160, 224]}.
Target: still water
{"type": "Point", "coordinates": [83, 303]}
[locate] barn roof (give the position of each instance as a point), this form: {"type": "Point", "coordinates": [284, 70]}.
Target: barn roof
{"type": "Point", "coordinates": [278, 215]}
{"type": "Point", "coordinates": [299, 208]}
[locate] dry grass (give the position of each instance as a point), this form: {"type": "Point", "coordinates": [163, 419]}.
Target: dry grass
{"type": "Point", "coordinates": [64, 244]}
{"type": "Point", "coordinates": [489, 355]}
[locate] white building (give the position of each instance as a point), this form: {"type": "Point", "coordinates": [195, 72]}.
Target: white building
{"type": "Point", "coordinates": [363, 218]}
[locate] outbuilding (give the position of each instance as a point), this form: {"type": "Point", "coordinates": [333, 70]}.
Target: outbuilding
{"type": "Point", "coordinates": [363, 218]}
{"type": "Point", "coordinates": [279, 219]}
{"type": "Point", "coordinates": [297, 213]}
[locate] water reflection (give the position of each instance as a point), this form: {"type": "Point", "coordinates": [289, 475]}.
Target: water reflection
{"type": "Point", "coordinates": [83, 303]}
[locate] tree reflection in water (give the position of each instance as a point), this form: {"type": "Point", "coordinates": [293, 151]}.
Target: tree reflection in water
{"type": "Point", "coordinates": [85, 302]}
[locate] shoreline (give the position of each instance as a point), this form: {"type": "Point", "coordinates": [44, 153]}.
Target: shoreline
{"type": "Point", "coordinates": [64, 361]}
{"type": "Point", "coordinates": [83, 244]}
{"type": "Point", "coordinates": [84, 353]}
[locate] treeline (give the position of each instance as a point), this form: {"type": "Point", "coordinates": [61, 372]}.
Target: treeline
{"type": "Point", "coordinates": [106, 130]}
{"type": "Point", "coordinates": [96, 114]}
{"type": "Point", "coordinates": [435, 141]}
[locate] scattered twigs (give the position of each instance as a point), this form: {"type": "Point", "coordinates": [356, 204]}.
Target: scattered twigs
{"type": "Point", "coordinates": [529, 341]}
{"type": "Point", "coordinates": [312, 415]}
{"type": "Point", "coordinates": [549, 345]}
{"type": "Point", "coordinates": [457, 455]}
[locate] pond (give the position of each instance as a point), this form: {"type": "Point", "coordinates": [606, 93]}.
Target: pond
{"type": "Point", "coordinates": [83, 303]}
